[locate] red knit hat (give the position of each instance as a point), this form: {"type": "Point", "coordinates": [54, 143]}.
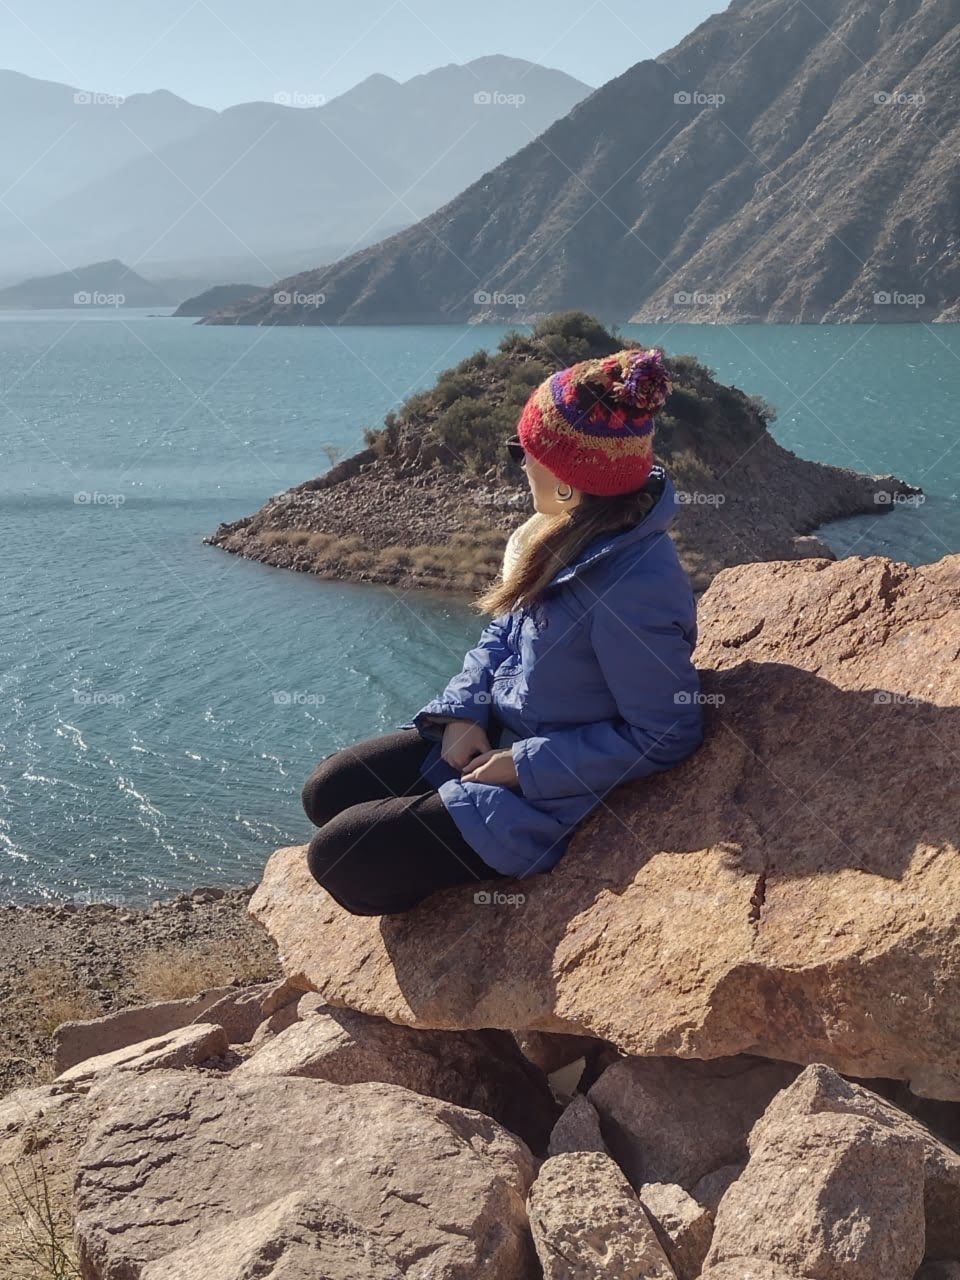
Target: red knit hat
{"type": "Point", "coordinates": [592, 424]}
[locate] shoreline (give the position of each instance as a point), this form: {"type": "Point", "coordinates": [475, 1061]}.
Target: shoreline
{"type": "Point", "coordinates": [61, 961]}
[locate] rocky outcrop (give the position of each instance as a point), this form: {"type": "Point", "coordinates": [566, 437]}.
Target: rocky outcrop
{"type": "Point", "coordinates": [788, 892]}
{"type": "Point", "coordinates": [839, 1185]}
{"type": "Point", "coordinates": [483, 1070]}
{"type": "Point", "coordinates": [174, 1172]}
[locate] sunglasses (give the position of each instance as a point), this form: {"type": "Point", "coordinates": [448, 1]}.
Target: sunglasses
{"type": "Point", "coordinates": [516, 452]}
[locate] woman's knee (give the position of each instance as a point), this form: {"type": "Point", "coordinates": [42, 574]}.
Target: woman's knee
{"type": "Point", "coordinates": [325, 792]}
{"type": "Point", "coordinates": [338, 860]}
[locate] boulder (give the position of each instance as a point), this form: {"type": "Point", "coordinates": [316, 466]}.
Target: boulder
{"type": "Point", "coordinates": [683, 1226]}
{"type": "Point", "coordinates": [74, 1041]}
{"type": "Point", "coordinates": [712, 1187]}
{"type": "Point", "coordinates": [578, 1129]}
{"type": "Point", "coordinates": [242, 1010]}
{"type": "Point", "coordinates": [668, 1120]}
{"type": "Point", "coordinates": [484, 1070]}
{"type": "Point", "coordinates": [828, 1197]}
{"type": "Point", "coordinates": [785, 892]}
{"type": "Point", "coordinates": [186, 1047]}
{"type": "Point", "coordinates": [298, 1237]}
{"type": "Point", "coordinates": [819, 1090]}
{"type": "Point", "coordinates": [180, 1166]}
{"type": "Point", "coordinates": [588, 1224]}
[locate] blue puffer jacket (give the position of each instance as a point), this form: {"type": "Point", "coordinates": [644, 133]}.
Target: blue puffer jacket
{"type": "Point", "coordinates": [592, 687]}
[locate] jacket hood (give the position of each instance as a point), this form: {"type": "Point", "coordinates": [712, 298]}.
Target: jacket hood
{"type": "Point", "coordinates": [657, 520]}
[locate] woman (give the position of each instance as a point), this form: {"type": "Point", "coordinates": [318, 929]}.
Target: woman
{"type": "Point", "coordinates": [582, 680]}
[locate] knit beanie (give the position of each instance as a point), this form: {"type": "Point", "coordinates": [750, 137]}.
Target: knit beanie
{"type": "Point", "coordinates": [592, 424]}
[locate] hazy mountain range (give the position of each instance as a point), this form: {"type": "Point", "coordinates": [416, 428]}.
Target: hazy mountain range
{"type": "Point", "coordinates": [259, 189]}
{"type": "Point", "coordinates": [784, 162]}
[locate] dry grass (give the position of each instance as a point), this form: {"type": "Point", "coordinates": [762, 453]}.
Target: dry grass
{"type": "Point", "coordinates": [51, 994]}
{"type": "Point", "coordinates": [36, 1225]}
{"type": "Point", "coordinates": [178, 971]}
{"type": "Point", "coordinates": [467, 561]}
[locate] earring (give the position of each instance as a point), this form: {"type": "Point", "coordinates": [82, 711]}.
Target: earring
{"type": "Point", "coordinates": [564, 496]}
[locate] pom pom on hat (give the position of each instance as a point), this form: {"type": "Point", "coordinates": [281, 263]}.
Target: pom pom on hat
{"type": "Point", "coordinates": [592, 424]}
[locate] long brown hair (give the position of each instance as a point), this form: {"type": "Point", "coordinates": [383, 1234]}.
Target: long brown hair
{"type": "Point", "coordinates": [559, 541]}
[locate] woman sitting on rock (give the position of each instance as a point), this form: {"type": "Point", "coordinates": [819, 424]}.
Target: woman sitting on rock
{"type": "Point", "coordinates": [583, 679]}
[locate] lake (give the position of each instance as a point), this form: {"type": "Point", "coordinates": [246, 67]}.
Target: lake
{"type": "Point", "coordinates": [163, 701]}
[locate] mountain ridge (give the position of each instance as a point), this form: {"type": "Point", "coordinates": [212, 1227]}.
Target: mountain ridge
{"type": "Point", "coordinates": [775, 175]}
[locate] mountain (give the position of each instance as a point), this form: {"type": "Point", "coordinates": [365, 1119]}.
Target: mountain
{"type": "Point", "coordinates": [784, 162]}
{"type": "Point", "coordinates": [59, 138]}
{"type": "Point", "coordinates": [97, 286]}
{"type": "Point", "coordinates": [261, 179]}
{"type": "Point", "coordinates": [211, 300]}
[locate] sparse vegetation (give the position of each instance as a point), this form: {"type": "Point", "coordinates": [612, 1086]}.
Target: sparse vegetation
{"type": "Point", "coordinates": [50, 994]}
{"type": "Point", "coordinates": [36, 1229]}
{"type": "Point", "coordinates": [175, 972]}
{"type": "Point", "coordinates": [474, 406]}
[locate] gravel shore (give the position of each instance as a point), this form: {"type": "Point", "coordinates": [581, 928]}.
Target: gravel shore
{"type": "Point", "coordinates": [61, 961]}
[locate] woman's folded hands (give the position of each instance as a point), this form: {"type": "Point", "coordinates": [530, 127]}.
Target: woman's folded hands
{"type": "Point", "coordinates": [466, 747]}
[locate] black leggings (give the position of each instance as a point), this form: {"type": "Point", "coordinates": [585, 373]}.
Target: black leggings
{"type": "Point", "coordinates": [386, 840]}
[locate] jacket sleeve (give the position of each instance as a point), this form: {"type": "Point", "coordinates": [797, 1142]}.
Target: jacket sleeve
{"type": "Point", "coordinates": [643, 643]}
{"type": "Point", "coordinates": [467, 696]}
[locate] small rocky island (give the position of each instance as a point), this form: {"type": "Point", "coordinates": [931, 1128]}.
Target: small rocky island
{"type": "Point", "coordinates": [431, 501]}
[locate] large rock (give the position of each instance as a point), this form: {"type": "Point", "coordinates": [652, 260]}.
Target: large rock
{"type": "Point", "coordinates": [578, 1129]}
{"type": "Point", "coordinates": [243, 1011]}
{"type": "Point", "coordinates": [666, 1120]}
{"type": "Point", "coordinates": [683, 1227]}
{"type": "Point", "coordinates": [186, 1047]}
{"type": "Point", "coordinates": [787, 891]}
{"type": "Point", "coordinates": [818, 1090]}
{"type": "Point", "coordinates": [74, 1041]}
{"type": "Point", "coordinates": [829, 1197]}
{"type": "Point", "coordinates": [588, 1225]}
{"type": "Point", "coordinates": [180, 1167]}
{"type": "Point", "coordinates": [483, 1070]}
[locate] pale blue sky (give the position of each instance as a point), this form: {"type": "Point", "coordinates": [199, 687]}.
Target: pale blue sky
{"type": "Point", "coordinates": [218, 52]}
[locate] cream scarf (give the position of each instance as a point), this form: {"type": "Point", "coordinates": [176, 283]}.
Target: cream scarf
{"type": "Point", "coordinates": [517, 541]}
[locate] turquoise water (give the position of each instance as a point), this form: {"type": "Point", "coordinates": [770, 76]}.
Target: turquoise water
{"type": "Point", "coordinates": [162, 701]}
